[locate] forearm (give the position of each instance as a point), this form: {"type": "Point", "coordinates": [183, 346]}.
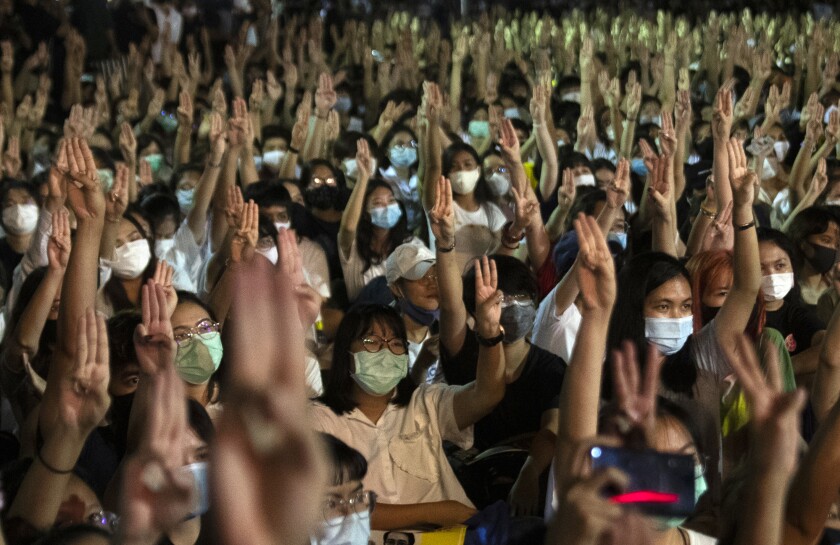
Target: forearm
{"type": "Point", "coordinates": [796, 180]}
{"type": "Point", "coordinates": [455, 96]}
{"type": "Point", "coordinates": [698, 233]}
{"type": "Point", "coordinates": [556, 224]}
{"type": "Point", "coordinates": [663, 235]}
{"type": "Point", "coordinates": [805, 202]}
{"type": "Point", "coordinates": [206, 188]}
{"type": "Point", "coordinates": [453, 314]}
{"type": "Point", "coordinates": [667, 89]}
{"type": "Point", "coordinates": [351, 216]}
{"type": "Point", "coordinates": [746, 274]}
{"type": "Point", "coordinates": [8, 91]}
{"type": "Point", "coordinates": [536, 239]}
{"type": "Point", "coordinates": [287, 165]}
{"type": "Point", "coordinates": [627, 135]}
{"type": "Point", "coordinates": [247, 168]}
{"type": "Point", "coordinates": [78, 291]}
{"type": "Point", "coordinates": [826, 386]}
{"type": "Point", "coordinates": [720, 171]}
{"type": "Point", "coordinates": [27, 333]}
{"type": "Point", "coordinates": [315, 138]}
{"type": "Point", "coordinates": [433, 168]}
{"type": "Point", "coordinates": [108, 242]}
{"type": "Point", "coordinates": [765, 500]}
{"type": "Point", "coordinates": [547, 150]}
{"type": "Point", "coordinates": [182, 146]}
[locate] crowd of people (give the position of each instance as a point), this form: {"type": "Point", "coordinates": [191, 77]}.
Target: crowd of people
{"type": "Point", "coordinates": [341, 276]}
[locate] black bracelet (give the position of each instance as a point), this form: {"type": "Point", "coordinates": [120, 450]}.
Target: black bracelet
{"type": "Point", "coordinates": [50, 468]}
{"type": "Point", "coordinates": [746, 226]}
{"type": "Point", "coordinates": [445, 250]}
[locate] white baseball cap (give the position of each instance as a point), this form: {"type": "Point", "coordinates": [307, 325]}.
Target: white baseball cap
{"type": "Point", "coordinates": [410, 260]}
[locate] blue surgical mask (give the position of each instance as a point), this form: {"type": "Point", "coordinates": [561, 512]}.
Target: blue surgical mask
{"type": "Point", "coordinates": [638, 167]}
{"type": "Point", "coordinates": [618, 238]}
{"type": "Point", "coordinates": [422, 316]}
{"type": "Point", "coordinates": [479, 129]}
{"type": "Point", "coordinates": [377, 373]}
{"type": "Point", "coordinates": [385, 216]}
{"type": "Point", "coordinates": [185, 199]}
{"type": "Point", "coordinates": [155, 161]}
{"type": "Point", "coordinates": [512, 113]}
{"type": "Point", "coordinates": [343, 104]}
{"type": "Point", "coordinates": [669, 334]}
{"type": "Point", "coordinates": [402, 156]}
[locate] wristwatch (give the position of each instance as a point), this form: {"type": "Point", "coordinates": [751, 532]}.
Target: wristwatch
{"type": "Point", "coordinates": [493, 341]}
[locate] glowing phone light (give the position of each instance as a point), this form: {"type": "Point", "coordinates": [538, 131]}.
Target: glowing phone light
{"type": "Point", "coordinates": [645, 496]}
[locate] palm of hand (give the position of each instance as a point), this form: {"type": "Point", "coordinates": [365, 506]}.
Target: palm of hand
{"type": "Point", "coordinates": [58, 253]}
{"type": "Point", "coordinates": [443, 224]}
{"type": "Point", "coordinates": [156, 350]}
{"type": "Point", "coordinates": [86, 204]}
{"type": "Point", "coordinates": [83, 406]}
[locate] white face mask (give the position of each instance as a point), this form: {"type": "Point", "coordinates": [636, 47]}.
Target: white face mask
{"type": "Point", "coordinates": [131, 259]}
{"type": "Point", "coordinates": [832, 202]}
{"type": "Point", "coordinates": [669, 334]}
{"type": "Point", "coordinates": [584, 179]}
{"type": "Point", "coordinates": [512, 113]}
{"type": "Point", "coordinates": [352, 529]}
{"type": "Point", "coordinates": [280, 225]}
{"type": "Point", "coordinates": [162, 246]}
{"type": "Point", "coordinates": [464, 181]}
{"type": "Point", "coordinates": [573, 96]}
{"type": "Point", "coordinates": [776, 286]}
{"type": "Point", "coordinates": [610, 133]}
{"type": "Point", "coordinates": [272, 159]}
{"type": "Point", "coordinates": [270, 254]}
{"type": "Point", "coordinates": [499, 184]}
{"type": "Point", "coordinates": [781, 150]}
{"type": "Point", "coordinates": [351, 169]}
{"type": "Point", "coordinates": [20, 219]}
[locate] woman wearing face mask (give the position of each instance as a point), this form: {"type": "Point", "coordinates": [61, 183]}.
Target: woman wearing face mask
{"type": "Point", "coordinates": [325, 195]}
{"type": "Point", "coordinates": [369, 398]}
{"type": "Point", "coordinates": [412, 277]}
{"type": "Point", "coordinates": [20, 218]}
{"type": "Point", "coordinates": [200, 351]}
{"type": "Point", "coordinates": [275, 146]}
{"type": "Point", "coordinates": [347, 506]}
{"type": "Point", "coordinates": [372, 226]}
{"type": "Point", "coordinates": [399, 169]}
{"type": "Point", "coordinates": [498, 179]}
{"type": "Point", "coordinates": [126, 266]}
{"type": "Point", "coordinates": [533, 375]}
{"type": "Point", "coordinates": [478, 128]}
{"type": "Point", "coordinates": [150, 149]}
{"type": "Point", "coordinates": [815, 235]}
{"type": "Point", "coordinates": [798, 323]}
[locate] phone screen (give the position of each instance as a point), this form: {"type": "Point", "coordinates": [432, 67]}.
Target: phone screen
{"type": "Point", "coordinates": [660, 484]}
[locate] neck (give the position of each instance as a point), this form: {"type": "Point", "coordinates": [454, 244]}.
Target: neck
{"type": "Point", "coordinates": [371, 406]}
{"type": "Point", "coordinates": [467, 202]}
{"type": "Point", "coordinates": [671, 536]}
{"type": "Point", "coordinates": [132, 287]}
{"type": "Point", "coordinates": [809, 276]}
{"type": "Point", "coordinates": [198, 392]}
{"type": "Point", "coordinates": [327, 215]}
{"type": "Point", "coordinates": [773, 306]}
{"type": "Point", "coordinates": [379, 234]}
{"type": "Point", "coordinates": [18, 243]}
{"type": "Point", "coordinates": [416, 332]}
{"type": "Point", "coordinates": [515, 355]}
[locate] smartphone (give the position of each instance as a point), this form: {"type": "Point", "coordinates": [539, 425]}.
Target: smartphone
{"type": "Point", "coordinates": [660, 484]}
{"type": "Point", "coordinates": [201, 488]}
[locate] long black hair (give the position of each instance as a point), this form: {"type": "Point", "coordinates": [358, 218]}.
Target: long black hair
{"type": "Point", "coordinates": [811, 221]}
{"type": "Point", "coordinates": [397, 234]}
{"type": "Point", "coordinates": [641, 275]}
{"type": "Point", "coordinates": [338, 390]}
{"type": "Point", "coordinates": [481, 191]}
{"type": "Point", "coordinates": [783, 242]}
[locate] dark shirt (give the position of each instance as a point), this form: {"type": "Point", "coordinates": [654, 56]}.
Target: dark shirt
{"type": "Point", "coordinates": [9, 259]}
{"type": "Point", "coordinates": [797, 323]}
{"type": "Point", "coordinates": [324, 233]}
{"type": "Point", "coordinates": [536, 391]}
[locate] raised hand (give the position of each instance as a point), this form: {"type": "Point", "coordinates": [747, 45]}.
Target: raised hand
{"type": "Point", "coordinates": [301, 127]}
{"type": "Point", "coordinates": [218, 143]}
{"type": "Point", "coordinates": [595, 270]}
{"type": "Point", "coordinates": [290, 262]}
{"type": "Point", "coordinates": [11, 159]}
{"type": "Point", "coordinates": [442, 214]}
{"type": "Point", "coordinates": [234, 206]}
{"type": "Point", "coordinates": [244, 242]}
{"type": "Point", "coordinates": [154, 341]}
{"type": "Point", "coordinates": [364, 164]}
{"type": "Point", "coordinates": [273, 89]}
{"type": "Point", "coordinates": [156, 494]}
{"type": "Point", "coordinates": [667, 137]}
{"type": "Point", "coordinates": [58, 247]}
{"type": "Point", "coordinates": [83, 398]}
{"type": "Point", "coordinates": [508, 143]}
{"type": "Point", "coordinates": [185, 110]}
{"type": "Point", "coordinates": [635, 395]}
{"type": "Point", "coordinates": [538, 104]}
{"type": "Point", "coordinates": [722, 117]}
{"type": "Point", "coordinates": [163, 279]}
{"type": "Point", "coordinates": [659, 189]}
{"type": "Point", "coordinates": [682, 111]}
{"type": "Point", "coordinates": [117, 202]}
{"type": "Point", "coordinates": [567, 191]}
{"type": "Point", "coordinates": [325, 96]}
{"type": "Point", "coordinates": [488, 298]}
{"type": "Point", "coordinates": [526, 206]}
{"type": "Point", "coordinates": [619, 189]}
{"type": "Point", "coordinates": [744, 182]}
{"type": "Point", "coordinates": [820, 180]}
{"type": "Point", "coordinates": [720, 235]}
{"type": "Point", "coordinates": [145, 174]}
{"type": "Point", "coordinates": [83, 190]}
{"type": "Point", "coordinates": [237, 129]}
{"type": "Point", "coordinates": [266, 449]}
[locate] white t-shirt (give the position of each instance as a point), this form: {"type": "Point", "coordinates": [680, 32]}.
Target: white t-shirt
{"type": "Point", "coordinates": [404, 449]}
{"type": "Point", "coordinates": [488, 215]}
{"type": "Point", "coordinates": [556, 333]}
{"type": "Point", "coordinates": [186, 258]}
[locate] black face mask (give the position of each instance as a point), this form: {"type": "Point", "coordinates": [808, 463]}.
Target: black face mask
{"type": "Point", "coordinates": [324, 198]}
{"type": "Point", "coordinates": [707, 314]}
{"type": "Point", "coordinates": [823, 258]}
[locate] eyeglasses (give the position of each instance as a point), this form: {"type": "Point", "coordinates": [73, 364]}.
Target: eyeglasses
{"type": "Point", "coordinates": [105, 520]}
{"type": "Point", "coordinates": [375, 343]}
{"type": "Point", "coordinates": [407, 145]}
{"type": "Point", "coordinates": [203, 329]}
{"type": "Point", "coordinates": [334, 507]}
{"type": "Point", "coordinates": [500, 169]}
{"type": "Point", "coordinates": [318, 182]}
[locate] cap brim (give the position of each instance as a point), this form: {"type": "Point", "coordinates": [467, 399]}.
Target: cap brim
{"type": "Point", "coordinates": [419, 270]}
